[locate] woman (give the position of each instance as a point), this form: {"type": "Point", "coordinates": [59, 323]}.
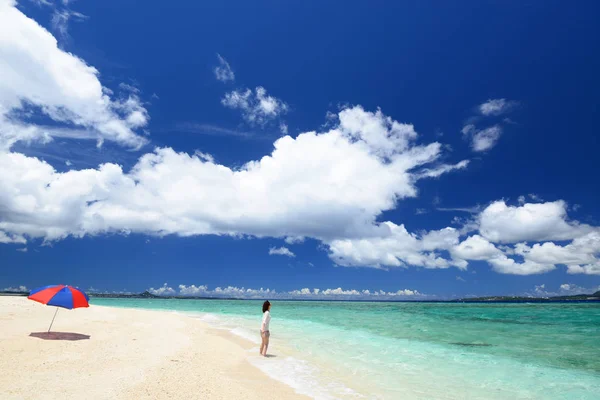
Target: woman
{"type": "Point", "coordinates": [264, 328]}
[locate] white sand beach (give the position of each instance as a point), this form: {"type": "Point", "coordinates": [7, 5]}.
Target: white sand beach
{"type": "Point", "coordinates": [130, 354]}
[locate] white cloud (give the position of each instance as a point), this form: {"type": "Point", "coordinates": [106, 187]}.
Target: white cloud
{"type": "Point", "coordinates": [589, 269]}
{"type": "Point", "coordinates": [572, 289]}
{"type": "Point", "coordinates": [38, 77]}
{"type": "Point", "coordinates": [60, 21]}
{"type": "Point", "coordinates": [208, 129]}
{"type": "Point", "coordinates": [283, 128]}
{"type": "Point", "coordinates": [223, 71]}
{"type": "Point", "coordinates": [23, 250]}
{"type": "Point", "coordinates": [538, 222]}
{"type": "Point", "coordinates": [16, 289]}
{"type": "Point", "coordinates": [381, 133]}
{"type": "Point", "coordinates": [294, 239]}
{"type": "Point", "coordinates": [485, 139]}
{"type": "Point", "coordinates": [505, 265]}
{"type": "Point", "coordinates": [442, 169]}
{"type": "Point", "coordinates": [232, 291]}
{"type": "Point", "coordinates": [397, 247]}
{"type": "Point", "coordinates": [529, 222]}
{"type": "Point", "coordinates": [193, 290]}
{"type": "Point", "coordinates": [164, 290]}
{"type": "Point", "coordinates": [394, 246]}
{"type": "Point", "coordinates": [7, 238]}
{"type": "Point", "coordinates": [281, 251]}
{"type": "Point", "coordinates": [38, 2]}
{"type": "Point", "coordinates": [317, 185]}
{"type": "Point", "coordinates": [540, 289]}
{"type": "Point", "coordinates": [475, 248]}
{"type": "Point", "coordinates": [468, 129]}
{"type": "Point", "coordinates": [495, 107]}
{"type": "Point", "coordinates": [305, 293]}
{"type": "Point", "coordinates": [535, 197]}
{"type": "Point", "coordinates": [581, 250]}
{"type": "Point", "coordinates": [256, 106]}
{"type": "Point", "coordinates": [334, 196]}
{"type": "Point", "coordinates": [566, 289]}
{"type": "Point", "coordinates": [129, 88]}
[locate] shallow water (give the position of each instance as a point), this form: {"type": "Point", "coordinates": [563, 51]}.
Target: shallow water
{"type": "Point", "coordinates": [416, 350]}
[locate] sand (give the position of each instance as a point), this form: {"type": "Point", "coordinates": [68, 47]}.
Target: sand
{"type": "Point", "coordinates": [110, 353]}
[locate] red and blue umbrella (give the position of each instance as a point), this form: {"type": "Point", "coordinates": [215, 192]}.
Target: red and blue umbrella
{"type": "Point", "coordinates": [63, 296]}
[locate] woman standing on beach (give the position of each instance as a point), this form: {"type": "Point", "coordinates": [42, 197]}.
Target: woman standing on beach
{"type": "Point", "coordinates": [264, 328]}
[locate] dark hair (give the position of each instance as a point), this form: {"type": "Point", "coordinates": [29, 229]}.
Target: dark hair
{"type": "Point", "coordinates": [266, 305]}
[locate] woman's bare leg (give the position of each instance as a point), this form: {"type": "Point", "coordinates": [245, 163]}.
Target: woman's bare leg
{"type": "Point", "coordinates": [266, 342]}
{"type": "Point", "coordinates": [262, 345]}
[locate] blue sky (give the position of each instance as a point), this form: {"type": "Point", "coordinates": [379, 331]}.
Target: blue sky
{"type": "Point", "coordinates": [455, 150]}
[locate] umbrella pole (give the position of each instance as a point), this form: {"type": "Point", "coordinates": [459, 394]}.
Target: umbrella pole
{"type": "Point", "coordinates": [53, 319]}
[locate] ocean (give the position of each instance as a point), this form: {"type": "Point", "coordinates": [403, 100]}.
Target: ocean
{"type": "Point", "coordinates": [366, 350]}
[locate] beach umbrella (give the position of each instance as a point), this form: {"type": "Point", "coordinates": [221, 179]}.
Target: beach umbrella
{"type": "Point", "coordinates": [63, 296]}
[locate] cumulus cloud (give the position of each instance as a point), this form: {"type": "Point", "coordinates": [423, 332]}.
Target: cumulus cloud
{"type": "Point", "coordinates": [532, 222]}
{"type": "Point", "coordinates": [572, 289]}
{"type": "Point", "coordinates": [318, 185]}
{"type": "Point", "coordinates": [529, 222]}
{"type": "Point", "coordinates": [257, 107]}
{"type": "Point", "coordinates": [305, 293]}
{"type": "Point", "coordinates": [589, 269]}
{"type": "Point", "coordinates": [7, 238]}
{"type": "Point", "coordinates": [475, 248]}
{"type": "Point", "coordinates": [281, 251]}
{"type": "Point", "coordinates": [193, 290]}
{"type": "Point", "coordinates": [499, 241]}
{"type": "Point", "coordinates": [495, 107]}
{"type": "Point", "coordinates": [38, 78]}
{"type": "Point", "coordinates": [396, 247]}
{"type": "Point", "coordinates": [176, 193]}
{"type": "Point", "coordinates": [506, 265]}
{"type": "Point", "coordinates": [511, 227]}
{"type": "Point", "coordinates": [164, 290]}
{"type": "Point", "coordinates": [223, 71]}
{"type": "Point", "coordinates": [566, 289]}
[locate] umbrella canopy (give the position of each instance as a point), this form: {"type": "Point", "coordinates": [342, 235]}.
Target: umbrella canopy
{"type": "Point", "coordinates": [60, 296]}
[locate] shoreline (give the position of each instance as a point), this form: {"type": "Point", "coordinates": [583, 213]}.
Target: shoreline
{"type": "Point", "coordinates": [130, 354]}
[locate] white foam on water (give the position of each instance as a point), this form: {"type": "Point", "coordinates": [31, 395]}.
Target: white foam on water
{"type": "Point", "coordinates": [246, 334]}
{"type": "Point", "coordinates": [209, 318]}
{"type": "Point", "coordinates": [299, 374]}
{"type": "Point", "coordinates": [302, 377]}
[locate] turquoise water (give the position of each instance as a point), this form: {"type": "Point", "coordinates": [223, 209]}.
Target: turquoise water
{"type": "Point", "coordinates": [417, 350]}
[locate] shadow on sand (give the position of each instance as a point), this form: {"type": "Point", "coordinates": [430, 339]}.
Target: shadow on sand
{"type": "Point", "coordinates": [270, 356]}
{"type": "Point", "coordinates": [59, 336]}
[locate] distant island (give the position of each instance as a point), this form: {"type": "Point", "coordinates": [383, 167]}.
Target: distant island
{"type": "Point", "coordinates": [577, 297]}
{"type": "Point", "coordinates": [594, 297]}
